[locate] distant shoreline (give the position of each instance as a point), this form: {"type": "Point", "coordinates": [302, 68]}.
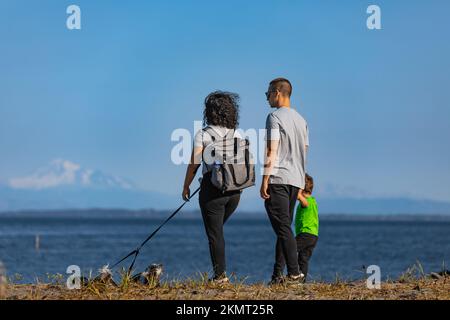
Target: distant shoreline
{"type": "Point", "coordinates": [194, 214]}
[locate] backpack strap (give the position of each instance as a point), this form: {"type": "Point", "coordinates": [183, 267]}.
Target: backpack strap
{"type": "Point", "coordinates": [227, 137]}
{"type": "Point", "coordinates": [222, 144]}
{"type": "Point", "coordinates": [215, 136]}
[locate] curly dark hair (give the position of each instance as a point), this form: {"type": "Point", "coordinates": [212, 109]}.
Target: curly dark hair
{"type": "Point", "coordinates": [221, 109]}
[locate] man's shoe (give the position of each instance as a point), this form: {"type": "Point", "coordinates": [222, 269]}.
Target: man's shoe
{"type": "Point", "coordinates": [223, 279]}
{"type": "Point", "coordinates": [303, 278]}
{"type": "Point", "coordinates": [297, 279]}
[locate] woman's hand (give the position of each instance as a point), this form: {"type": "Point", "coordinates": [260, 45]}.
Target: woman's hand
{"type": "Point", "coordinates": [186, 194]}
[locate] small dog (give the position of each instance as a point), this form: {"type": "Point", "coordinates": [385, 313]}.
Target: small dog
{"type": "Point", "coordinates": [105, 276]}
{"type": "Point", "coordinates": [151, 275]}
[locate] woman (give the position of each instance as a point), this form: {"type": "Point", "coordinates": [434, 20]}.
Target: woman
{"type": "Point", "coordinates": [221, 114]}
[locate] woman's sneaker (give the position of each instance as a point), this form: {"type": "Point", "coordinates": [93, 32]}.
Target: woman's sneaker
{"type": "Point", "coordinates": [276, 280]}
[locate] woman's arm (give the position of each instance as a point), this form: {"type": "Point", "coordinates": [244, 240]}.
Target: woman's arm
{"type": "Point", "coordinates": [191, 170]}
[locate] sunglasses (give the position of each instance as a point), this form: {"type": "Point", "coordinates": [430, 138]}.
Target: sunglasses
{"type": "Point", "coordinates": [268, 93]}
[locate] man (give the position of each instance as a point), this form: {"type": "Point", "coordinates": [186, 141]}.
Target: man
{"type": "Point", "coordinates": [284, 174]}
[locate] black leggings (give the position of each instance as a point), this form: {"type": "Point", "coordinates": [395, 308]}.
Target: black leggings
{"type": "Point", "coordinates": [216, 208]}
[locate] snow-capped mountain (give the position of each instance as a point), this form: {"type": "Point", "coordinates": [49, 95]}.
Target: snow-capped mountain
{"type": "Point", "coordinates": [64, 184]}
{"type": "Point", "coordinates": [60, 172]}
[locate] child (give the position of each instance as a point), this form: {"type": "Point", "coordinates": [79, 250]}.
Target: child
{"type": "Point", "coordinates": [306, 225]}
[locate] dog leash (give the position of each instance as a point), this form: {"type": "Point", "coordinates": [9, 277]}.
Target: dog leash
{"type": "Point", "coordinates": [136, 251]}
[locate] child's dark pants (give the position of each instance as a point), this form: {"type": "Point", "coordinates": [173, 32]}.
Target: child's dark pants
{"type": "Point", "coordinates": [305, 245]}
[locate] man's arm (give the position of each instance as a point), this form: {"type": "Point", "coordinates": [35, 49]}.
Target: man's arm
{"type": "Point", "coordinates": [269, 162]}
{"type": "Point", "coordinates": [306, 141]}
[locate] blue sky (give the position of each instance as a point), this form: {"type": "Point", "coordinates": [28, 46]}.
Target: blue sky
{"type": "Point", "coordinates": [108, 96]}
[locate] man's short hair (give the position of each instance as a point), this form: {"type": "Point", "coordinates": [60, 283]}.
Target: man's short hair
{"type": "Point", "coordinates": [283, 85]}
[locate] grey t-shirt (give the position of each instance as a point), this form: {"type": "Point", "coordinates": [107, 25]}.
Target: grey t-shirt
{"type": "Point", "coordinates": [289, 127]}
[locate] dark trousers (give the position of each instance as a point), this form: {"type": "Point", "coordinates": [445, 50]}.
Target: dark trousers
{"type": "Point", "coordinates": [305, 245]}
{"type": "Point", "coordinates": [216, 208]}
{"type": "Point", "coordinates": [280, 209]}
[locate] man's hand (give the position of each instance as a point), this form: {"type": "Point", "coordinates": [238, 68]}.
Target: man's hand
{"type": "Point", "coordinates": [265, 190]}
{"type": "Point", "coordinates": [186, 194]}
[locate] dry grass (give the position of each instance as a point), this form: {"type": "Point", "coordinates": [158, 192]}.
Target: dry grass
{"type": "Point", "coordinates": [406, 288]}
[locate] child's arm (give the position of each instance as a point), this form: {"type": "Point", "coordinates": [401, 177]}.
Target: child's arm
{"type": "Point", "coordinates": [302, 199]}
